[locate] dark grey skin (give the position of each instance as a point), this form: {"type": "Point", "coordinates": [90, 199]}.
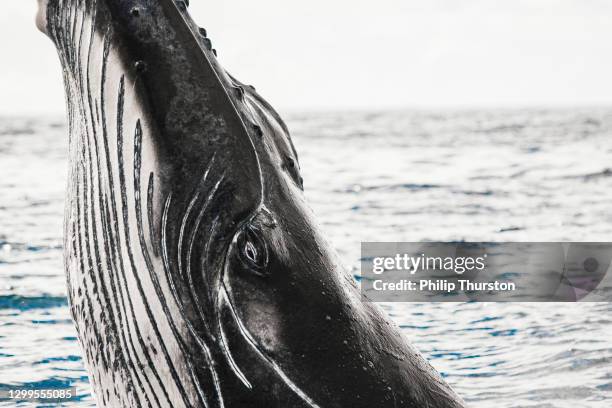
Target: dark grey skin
{"type": "Point", "coordinates": [196, 274]}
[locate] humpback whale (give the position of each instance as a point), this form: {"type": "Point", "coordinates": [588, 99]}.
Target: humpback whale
{"type": "Point", "coordinates": [196, 273]}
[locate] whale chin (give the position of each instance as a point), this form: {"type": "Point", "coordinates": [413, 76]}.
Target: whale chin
{"type": "Point", "coordinates": [41, 15]}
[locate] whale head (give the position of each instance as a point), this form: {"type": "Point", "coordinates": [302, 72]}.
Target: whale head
{"type": "Point", "coordinates": [197, 274]}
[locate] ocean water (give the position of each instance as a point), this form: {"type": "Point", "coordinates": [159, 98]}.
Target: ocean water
{"type": "Point", "coordinates": [520, 175]}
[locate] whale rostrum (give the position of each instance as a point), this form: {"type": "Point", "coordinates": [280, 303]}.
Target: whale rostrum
{"type": "Point", "coordinates": [197, 276]}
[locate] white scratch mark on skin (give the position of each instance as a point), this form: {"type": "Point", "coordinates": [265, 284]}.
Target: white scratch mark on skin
{"type": "Point", "coordinates": [230, 358]}
{"type": "Point", "coordinates": [245, 333]}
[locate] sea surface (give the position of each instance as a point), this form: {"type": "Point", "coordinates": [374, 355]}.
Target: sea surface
{"type": "Point", "coordinates": [506, 175]}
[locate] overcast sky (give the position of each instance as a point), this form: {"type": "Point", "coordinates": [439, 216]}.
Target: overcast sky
{"type": "Point", "coordinates": [340, 54]}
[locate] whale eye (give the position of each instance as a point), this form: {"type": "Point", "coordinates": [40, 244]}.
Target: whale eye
{"type": "Point", "coordinates": [252, 250]}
